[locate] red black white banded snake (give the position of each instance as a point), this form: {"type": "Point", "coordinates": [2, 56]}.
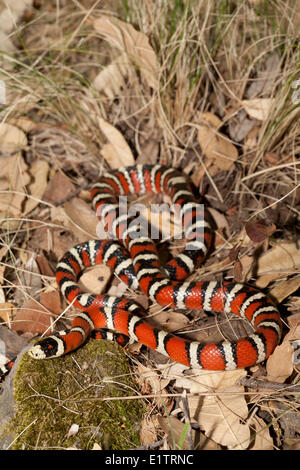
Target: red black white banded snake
{"type": "Point", "coordinates": [135, 261]}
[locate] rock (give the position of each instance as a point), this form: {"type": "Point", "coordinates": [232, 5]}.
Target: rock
{"type": "Point", "coordinates": [87, 388]}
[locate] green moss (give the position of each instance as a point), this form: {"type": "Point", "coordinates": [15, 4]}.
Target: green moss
{"type": "Point", "coordinates": [52, 395]}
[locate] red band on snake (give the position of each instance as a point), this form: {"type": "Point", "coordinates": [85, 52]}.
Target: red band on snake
{"type": "Point", "coordinates": [135, 261]}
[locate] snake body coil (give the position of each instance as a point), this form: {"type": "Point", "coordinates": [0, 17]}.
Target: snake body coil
{"type": "Point", "coordinates": [135, 261]}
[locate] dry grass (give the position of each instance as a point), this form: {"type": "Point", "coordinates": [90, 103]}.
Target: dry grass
{"type": "Point", "coordinates": [209, 56]}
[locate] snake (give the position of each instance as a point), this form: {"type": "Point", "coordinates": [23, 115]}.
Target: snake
{"type": "Point", "coordinates": [133, 257]}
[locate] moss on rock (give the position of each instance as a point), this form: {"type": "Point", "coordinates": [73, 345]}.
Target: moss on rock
{"type": "Point", "coordinates": [51, 395]}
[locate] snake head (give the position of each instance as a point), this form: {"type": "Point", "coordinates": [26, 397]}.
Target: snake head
{"type": "Point", "coordinates": [53, 346]}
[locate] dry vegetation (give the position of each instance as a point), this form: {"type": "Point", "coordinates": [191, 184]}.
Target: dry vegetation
{"type": "Point", "coordinates": [205, 86]}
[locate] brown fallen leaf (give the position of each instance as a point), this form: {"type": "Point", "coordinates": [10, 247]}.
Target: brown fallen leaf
{"type": "Point", "coordinates": [111, 79]}
{"type": "Point", "coordinates": [155, 381]}
{"type": "Point", "coordinates": [149, 150]}
{"type": "Point", "coordinates": [219, 151]}
{"type": "Point", "coordinates": [33, 318]}
{"type": "Point", "coordinates": [134, 43]}
{"type": "Point", "coordinates": [12, 139]}
{"type": "Point", "coordinates": [39, 172]}
{"type": "Point", "coordinates": [238, 271]}
{"type": "Point", "coordinates": [24, 123]}
{"type": "Point", "coordinates": [148, 432]}
{"type": "Point", "coordinates": [258, 108]}
{"type": "Point", "coordinates": [222, 231]}
{"type": "Point", "coordinates": [51, 301]}
{"type": "Point", "coordinates": [117, 153]}
{"type": "Point", "coordinates": [261, 434]}
{"type": "Point", "coordinates": [240, 125]}
{"type": "Point", "coordinates": [96, 446]}
{"type": "Point", "coordinates": [285, 288]}
{"type": "Point", "coordinates": [95, 279]}
{"type": "Point", "coordinates": [6, 311]}
{"type": "Point", "coordinates": [50, 237]}
{"type": "Point", "coordinates": [44, 266]}
{"type": "Point", "coordinates": [280, 364]}
{"type": "Point", "coordinates": [259, 231]}
{"type": "Point", "coordinates": [252, 138]}
{"type": "Point", "coordinates": [294, 324]}
{"type": "Point", "coordinates": [175, 428]}
{"type": "Point", "coordinates": [161, 221]}
{"type": "Point", "coordinates": [11, 344]}
{"type": "Point", "coordinates": [59, 188]}
{"type": "Point", "coordinates": [264, 81]}
{"type": "Point", "coordinates": [222, 414]}
{"type": "Point", "coordinates": [282, 259]}
{"type": "Point", "coordinates": [13, 183]}
{"type": "Point", "coordinates": [273, 158]}
{"type": "Point", "coordinates": [167, 319]}
{"type": "Point", "coordinates": [30, 276]}
{"type": "Point", "coordinates": [78, 217]}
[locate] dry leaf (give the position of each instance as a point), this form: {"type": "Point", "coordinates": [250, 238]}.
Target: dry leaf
{"type": "Point", "coordinates": [95, 279]}
{"type": "Point", "coordinates": [39, 171]}
{"type": "Point", "coordinates": [220, 220]}
{"type": "Point", "coordinates": [222, 232]}
{"type": "Point", "coordinates": [240, 125]}
{"type": "Point", "coordinates": [282, 259]}
{"type": "Point", "coordinates": [24, 123]}
{"type": "Point", "coordinates": [148, 433]}
{"type": "Point", "coordinates": [6, 311]}
{"type": "Point", "coordinates": [219, 151]}
{"type": "Point", "coordinates": [14, 179]}
{"type": "Point", "coordinates": [220, 415]}
{"type": "Point", "coordinates": [259, 231]}
{"type": "Point", "coordinates": [280, 364]}
{"type": "Point", "coordinates": [238, 271]}
{"type": "Point", "coordinates": [294, 324]}
{"type": "Point", "coordinates": [30, 277]}
{"type": "Point", "coordinates": [14, 176]}
{"type": "Point", "coordinates": [262, 438]}
{"type": "Point", "coordinates": [152, 378]}
{"type": "Point", "coordinates": [258, 108]}
{"type": "Point", "coordinates": [44, 266]}
{"type": "Point", "coordinates": [132, 42]}
{"type": "Point", "coordinates": [77, 216]}
{"type": "Point", "coordinates": [285, 288]}
{"type": "Point", "coordinates": [59, 188]}
{"type": "Point", "coordinates": [96, 447]}
{"type": "Point", "coordinates": [264, 82]}
{"type": "Point", "coordinates": [32, 318]}
{"type": "Point", "coordinates": [272, 158]}
{"type": "Point", "coordinates": [169, 320]}
{"type": "Point", "coordinates": [117, 153]}
{"type": "Point", "coordinates": [12, 139]}
{"type": "Point", "coordinates": [36, 317]}
{"type": "Point", "coordinates": [118, 288]}
{"type": "Point", "coordinates": [51, 300]}
{"type": "Point", "coordinates": [174, 428]}
{"type": "Point", "coordinates": [111, 79]}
